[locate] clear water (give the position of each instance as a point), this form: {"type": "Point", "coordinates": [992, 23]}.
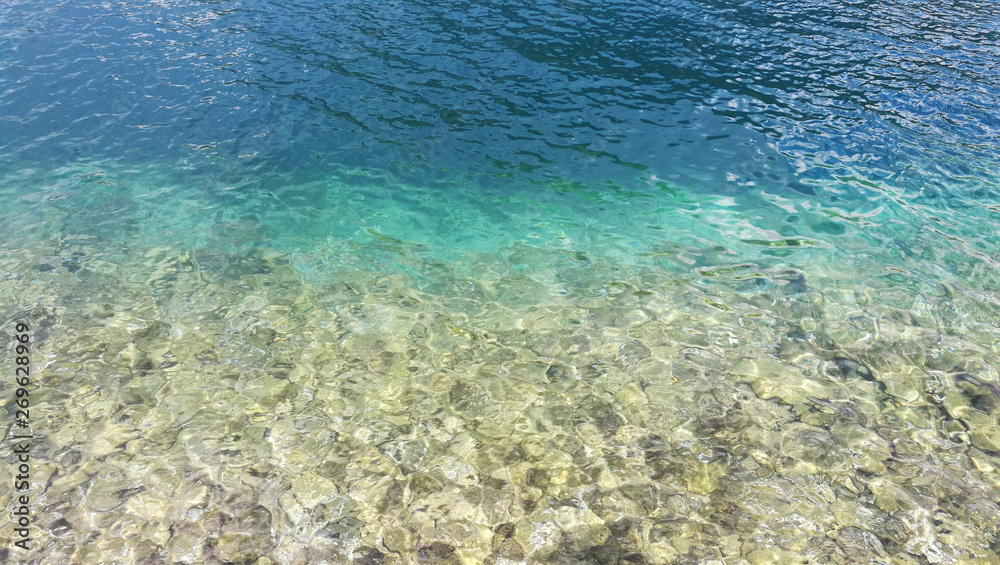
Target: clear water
{"type": "Point", "coordinates": [513, 282]}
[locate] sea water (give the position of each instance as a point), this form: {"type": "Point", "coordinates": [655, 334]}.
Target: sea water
{"type": "Point", "coordinates": [510, 282]}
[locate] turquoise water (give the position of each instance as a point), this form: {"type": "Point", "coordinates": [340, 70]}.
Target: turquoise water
{"type": "Point", "coordinates": [552, 282]}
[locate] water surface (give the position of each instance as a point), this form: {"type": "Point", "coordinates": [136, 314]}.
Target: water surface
{"type": "Point", "coordinates": [523, 282]}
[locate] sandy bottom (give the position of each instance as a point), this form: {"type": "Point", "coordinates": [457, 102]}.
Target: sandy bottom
{"type": "Point", "coordinates": [247, 405]}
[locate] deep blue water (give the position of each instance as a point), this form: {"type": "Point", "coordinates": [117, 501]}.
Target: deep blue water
{"type": "Point", "coordinates": [856, 105]}
{"type": "Point", "coordinates": [485, 90]}
{"type": "Point", "coordinates": [705, 183]}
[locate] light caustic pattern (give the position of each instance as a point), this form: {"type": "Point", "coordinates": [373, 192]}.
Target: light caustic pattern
{"type": "Point", "coordinates": [523, 283]}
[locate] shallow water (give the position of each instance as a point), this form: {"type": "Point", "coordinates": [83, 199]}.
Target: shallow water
{"type": "Point", "coordinates": [557, 282]}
